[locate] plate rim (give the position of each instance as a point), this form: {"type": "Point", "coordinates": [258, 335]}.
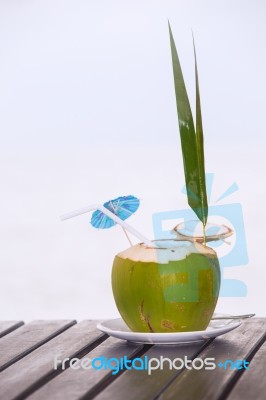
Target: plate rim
{"type": "Point", "coordinates": [182, 336]}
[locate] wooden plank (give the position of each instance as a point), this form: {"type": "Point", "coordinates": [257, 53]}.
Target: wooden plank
{"type": "Point", "coordinates": [211, 385]}
{"type": "Point", "coordinates": [35, 369]}
{"type": "Point", "coordinates": [135, 384]}
{"type": "Point", "coordinates": [9, 326]}
{"type": "Point", "coordinates": [252, 383]}
{"type": "Point", "coordinates": [28, 338]}
{"type": "Point", "coordinates": [73, 384]}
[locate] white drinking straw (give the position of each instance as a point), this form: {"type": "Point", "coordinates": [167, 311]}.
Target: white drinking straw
{"type": "Point", "coordinates": [111, 215]}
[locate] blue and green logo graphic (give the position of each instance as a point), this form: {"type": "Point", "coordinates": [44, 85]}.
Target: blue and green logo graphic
{"type": "Point", "coordinates": [231, 255]}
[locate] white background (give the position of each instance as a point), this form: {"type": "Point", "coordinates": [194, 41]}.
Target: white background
{"type": "Point", "coordinates": [87, 113]}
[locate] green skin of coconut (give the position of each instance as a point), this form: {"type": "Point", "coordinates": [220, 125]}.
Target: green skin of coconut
{"type": "Point", "coordinates": [173, 296]}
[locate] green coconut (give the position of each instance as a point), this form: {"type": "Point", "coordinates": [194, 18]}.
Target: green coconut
{"type": "Point", "coordinates": [171, 289]}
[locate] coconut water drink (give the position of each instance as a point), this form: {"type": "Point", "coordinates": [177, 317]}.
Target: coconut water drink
{"type": "Point", "coordinates": [171, 288]}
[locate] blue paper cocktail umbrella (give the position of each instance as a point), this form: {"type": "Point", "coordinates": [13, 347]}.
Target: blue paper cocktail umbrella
{"type": "Point", "coordinates": [133, 203]}
{"type": "Point", "coordinates": [123, 207]}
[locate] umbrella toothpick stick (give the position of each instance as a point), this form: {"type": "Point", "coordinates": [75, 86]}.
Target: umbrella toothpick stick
{"type": "Point", "coordinates": [128, 238]}
{"type": "Point", "coordinates": [111, 215]}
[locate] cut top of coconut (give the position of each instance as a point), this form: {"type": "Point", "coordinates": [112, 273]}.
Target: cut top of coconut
{"type": "Point", "coordinates": [164, 251]}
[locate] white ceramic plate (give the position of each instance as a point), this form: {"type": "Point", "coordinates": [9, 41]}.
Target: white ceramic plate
{"type": "Point", "coordinates": [117, 328]}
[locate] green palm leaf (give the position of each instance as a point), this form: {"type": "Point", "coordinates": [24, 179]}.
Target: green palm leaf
{"type": "Point", "coordinates": [200, 148]}
{"type": "Point", "coordinates": [191, 139]}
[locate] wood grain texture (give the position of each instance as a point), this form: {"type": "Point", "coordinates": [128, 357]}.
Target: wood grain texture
{"type": "Point", "coordinates": [35, 369]}
{"type": "Point", "coordinates": [210, 385]}
{"type": "Point", "coordinates": [74, 384]}
{"type": "Point", "coordinates": [35, 377]}
{"type": "Point", "coordinates": [252, 383]}
{"type": "Point", "coordinates": [134, 384]}
{"type": "Point", "coordinates": [8, 326]}
{"type": "Point", "coordinates": [27, 338]}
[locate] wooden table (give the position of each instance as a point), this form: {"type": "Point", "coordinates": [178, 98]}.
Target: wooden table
{"type": "Point", "coordinates": [27, 353]}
